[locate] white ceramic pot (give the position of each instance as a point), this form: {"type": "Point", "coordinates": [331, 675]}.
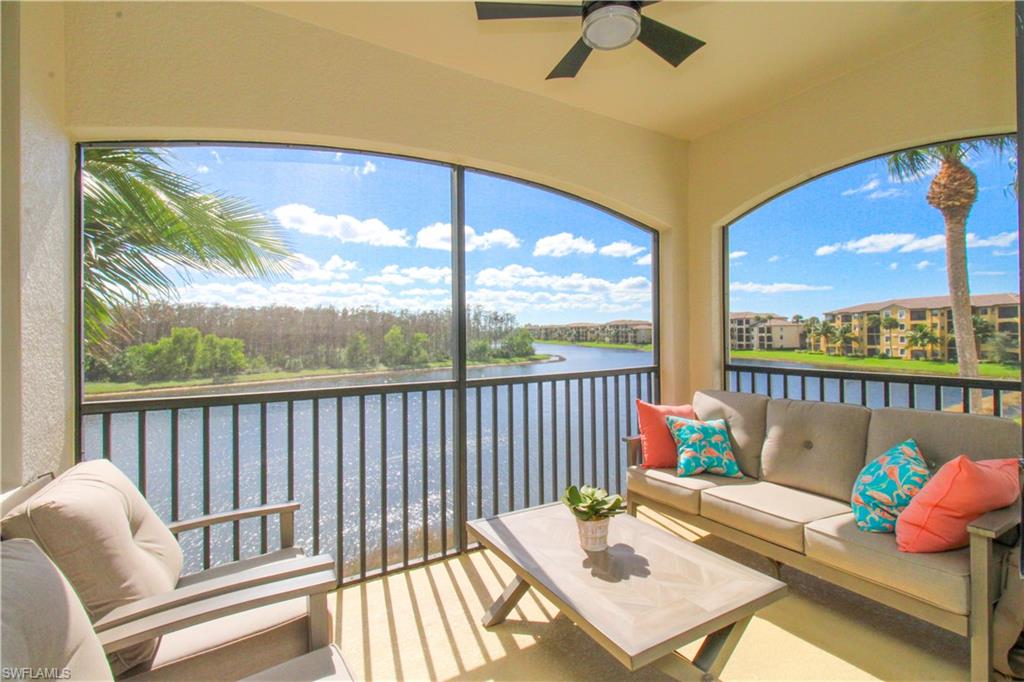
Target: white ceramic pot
{"type": "Point", "coordinates": [593, 534]}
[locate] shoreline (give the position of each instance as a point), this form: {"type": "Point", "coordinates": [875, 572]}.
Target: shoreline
{"type": "Point", "coordinates": [203, 389]}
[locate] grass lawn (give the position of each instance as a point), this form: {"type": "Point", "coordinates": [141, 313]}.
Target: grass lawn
{"type": "Point", "coordinates": [602, 344]}
{"type": "Point", "coordinates": [97, 387]}
{"type": "Point", "coordinates": [894, 365]}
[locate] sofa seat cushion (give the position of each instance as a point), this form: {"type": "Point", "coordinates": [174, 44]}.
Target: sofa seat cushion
{"type": "Point", "coordinates": [771, 512]}
{"type": "Point", "coordinates": [682, 493]}
{"type": "Point", "coordinates": [941, 579]}
{"type": "Point", "coordinates": [232, 647]}
{"type": "Point", "coordinates": [322, 664]}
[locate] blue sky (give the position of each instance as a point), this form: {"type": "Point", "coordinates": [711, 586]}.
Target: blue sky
{"type": "Point", "coordinates": [855, 236]}
{"type": "Point", "coordinates": [374, 231]}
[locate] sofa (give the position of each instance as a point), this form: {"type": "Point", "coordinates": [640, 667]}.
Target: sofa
{"type": "Point", "coordinates": [800, 460]}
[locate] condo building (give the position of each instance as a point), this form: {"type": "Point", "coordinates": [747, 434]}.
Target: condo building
{"type": "Point", "coordinates": [874, 335]}
{"type": "Point", "coordinates": [638, 332]}
{"type": "Point", "coordinates": [764, 331]}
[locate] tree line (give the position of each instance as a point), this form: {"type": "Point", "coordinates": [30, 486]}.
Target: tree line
{"type": "Point", "coordinates": [165, 341]}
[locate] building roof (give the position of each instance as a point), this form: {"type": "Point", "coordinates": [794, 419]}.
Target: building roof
{"type": "Point", "coordinates": [745, 315]}
{"type": "Point", "coordinates": [631, 323]}
{"type": "Point", "coordinates": [929, 302]}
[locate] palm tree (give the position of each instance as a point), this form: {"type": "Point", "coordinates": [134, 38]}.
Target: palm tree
{"type": "Point", "coordinates": [827, 331]}
{"type": "Point", "coordinates": [759, 321]}
{"type": "Point", "coordinates": [922, 337]}
{"type": "Point", "coordinates": [143, 221]}
{"type": "Point", "coordinates": [890, 324]}
{"type": "Point", "coordinates": [812, 329]}
{"type": "Point", "coordinates": [984, 330]}
{"type": "Point", "coordinates": [953, 191]}
{"type": "Point", "coordinates": [845, 336]}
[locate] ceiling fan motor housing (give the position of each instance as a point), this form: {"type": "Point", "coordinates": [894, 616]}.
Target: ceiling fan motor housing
{"type": "Point", "coordinates": [610, 24]}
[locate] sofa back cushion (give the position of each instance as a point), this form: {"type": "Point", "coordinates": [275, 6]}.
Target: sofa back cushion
{"type": "Point", "coordinates": [942, 436]}
{"type": "Point", "coordinates": [42, 624]}
{"type": "Point", "coordinates": [745, 415]}
{"type": "Point", "coordinates": [106, 540]}
{"type": "Point", "coordinates": [814, 446]}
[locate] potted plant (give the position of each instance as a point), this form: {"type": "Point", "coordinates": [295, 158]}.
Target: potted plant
{"type": "Point", "coordinates": [592, 507]}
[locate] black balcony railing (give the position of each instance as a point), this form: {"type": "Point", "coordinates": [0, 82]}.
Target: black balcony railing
{"type": "Point", "coordinates": [408, 477]}
{"type": "Point", "coordinates": [998, 397]}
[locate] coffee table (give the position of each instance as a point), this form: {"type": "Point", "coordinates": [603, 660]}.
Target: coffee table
{"type": "Point", "coordinates": [650, 593]}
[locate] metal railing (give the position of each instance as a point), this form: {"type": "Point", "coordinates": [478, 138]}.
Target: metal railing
{"type": "Point", "coordinates": [395, 449]}
{"type": "Point", "coordinates": [999, 397]}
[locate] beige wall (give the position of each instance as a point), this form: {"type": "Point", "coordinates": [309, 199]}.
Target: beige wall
{"type": "Point", "coordinates": [37, 391]}
{"type": "Point", "coordinates": [949, 86]}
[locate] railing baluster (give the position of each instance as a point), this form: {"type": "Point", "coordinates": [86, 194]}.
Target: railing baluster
{"type": "Point", "coordinates": [142, 451]}
{"type": "Point", "coordinates": [383, 483]}
{"type": "Point", "coordinates": [207, 548]}
{"type": "Point", "coordinates": [405, 479]}
{"type": "Point", "coordinates": [175, 468]}
{"type": "Point", "coordinates": [443, 425]}
{"type": "Point", "coordinates": [554, 440]}
{"type": "Point", "coordinates": [863, 393]}
{"type": "Point", "coordinates": [911, 395]}
{"type": "Point", "coordinates": [236, 492]}
{"type": "Point", "coordinates": [540, 442]}
{"type": "Point", "coordinates": [494, 450]}
{"type": "Point", "coordinates": [938, 397]}
{"type": "Point", "coordinates": [291, 449]}
{"type": "Point", "coordinates": [593, 429]}
{"type": "Point", "coordinates": [426, 492]}
{"type": "Point", "coordinates": [579, 432]}
{"type": "Point", "coordinates": [568, 433]}
{"type": "Point", "coordinates": [316, 475]}
{"type": "Point", "coordinates": [803, 387]}
{"type": "Point", "coordinates": [997, 402]}
{"type": "Point", "coordinates": [339, 501]}
{"type": "Point", "coordinates": [264, 471]}
{"type": "Point", "coordinates": [479, 457]}
{"type": "Point", "coordinates": [510, 415]}
{"type": "Point", "coordinates": [886, 393]}
{"type": "Point", "coordinates": [362, 486]}
{"type": "Point", "coordinates": [526, 444]}
{"type": "Point", "coordinates": [618, 435]}
{"type": "Point", "coordinates": [604, 418]}
{"type": "Point", "coordinates": [107, 436]}
{"type": "Point", "coordinates": [966, 404]}
{"type": "Point", "coordinates": [842, 390]}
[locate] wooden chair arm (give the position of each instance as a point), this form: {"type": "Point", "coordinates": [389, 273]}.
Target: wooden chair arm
{"type": "Point", "coordinates": [187, 615]}
{"type": "Point", "coordinates": [258, 575]}
{"type": "Point", "coordinates": [998, 523]}
{"type": "Point", "coordinates": [634, 450]}
{"type": "Point", "coordinates": [286, 510]}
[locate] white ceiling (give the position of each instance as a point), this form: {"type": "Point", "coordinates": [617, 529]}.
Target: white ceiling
{"type": "Point", "coordinates": [757, 53]}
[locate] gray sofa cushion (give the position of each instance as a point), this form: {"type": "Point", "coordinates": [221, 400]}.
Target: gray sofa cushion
{"type": "Point", "coordinates": [942, 578]}
{"type": "Point", "coordinates": [745, 413]}
{"type": "Point", "coordinates": [943, 436]}
{"type": "Point", "coordinates": [768, 511]}
{"type": "Point", "coordinates": [813, 446]}
{"type": "Point", "coordinates": [682, 493]}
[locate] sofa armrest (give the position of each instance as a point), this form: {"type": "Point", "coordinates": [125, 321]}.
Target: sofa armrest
{"type": "Point", "coordinates": [187, 615]}
{"type": "Point", "coordinates": [259, 575]}
{"type": "Point", "coordinates": [998, 523]}
{"type": "Point", "coordinates": [286, 510]}
{"type": "Point", "coordinates": [634, 450]}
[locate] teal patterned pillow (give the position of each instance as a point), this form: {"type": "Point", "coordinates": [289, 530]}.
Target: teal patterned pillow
{"type": "Point", "coordinates": [885, 486]}
{"type": "Point", "coordinates": [703, 447]}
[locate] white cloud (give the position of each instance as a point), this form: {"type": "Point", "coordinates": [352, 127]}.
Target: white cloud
{"type": "Point", "coordinates": [305, 268]}
{"type": "Point", "coordinates": [643, 260]}
{"type": "Point", "coordinates": [591, 291]}
{"type": "Point", "coordinates": [621, 249]}
{"type": "Point", "coordinates": [399, 276]}
{"type": "Point", "coordinates": [344, 228]}
{"type": "Point", "coordinates": [907, 242]}
{"type": "Point", "coordinates": [297, 294]}
{"type": "Point", "coordinates": [873, 183]}
{"type": "Point", "coordinates": [202, 169]}
{"type": "Point", "coordinates": [733, 255]}
{"type": "Point", "coordinates": [894, 266]}
{"type": "Point", "coordinates": [998, 252]}
{"type": "Point", "coordinates": [337, 156]}
{"type": "Point", "coordinates": [368, 167]}
{"type": "Point", "coordinates": [563, 244]}
{"type": "Point", "coordinates": [216, 155]}
{"type": "Point", "coordinates": [774, 259]}
{"type": "Point", "coordinates": [886, 193]}
{"type": "Point", "coordinates": [988, 273]}
{"type": "Point", "coordinates": [775, 288]}
{"type": "Point", "coordinates": [923, 265]}
{"type": "Point", "coordinates": [439, 236]}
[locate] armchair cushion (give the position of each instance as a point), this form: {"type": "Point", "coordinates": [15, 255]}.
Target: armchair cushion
{"type": "Point", "coordinates": [42, 623]}
{"type": "Point", "coordinates": [106, 539]}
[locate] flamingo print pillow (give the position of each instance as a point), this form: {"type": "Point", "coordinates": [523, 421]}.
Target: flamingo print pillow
{"type": "Point", "coordinates": [703, 447]}
{"type": "Point", "coordinates": [886, 485]}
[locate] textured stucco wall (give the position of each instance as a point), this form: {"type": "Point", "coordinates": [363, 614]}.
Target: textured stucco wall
{"type": "Point", "coordinates": [43, 392]}
{"type": "Point", "coordinates": [950, 85]}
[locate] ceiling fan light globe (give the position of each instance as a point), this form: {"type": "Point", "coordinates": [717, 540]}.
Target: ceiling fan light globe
{"type": "Point", "coordinates": [611, 27]}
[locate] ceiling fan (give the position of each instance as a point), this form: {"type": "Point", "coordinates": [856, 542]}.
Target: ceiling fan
{"type": "Point", "coordinates": [607, 25]}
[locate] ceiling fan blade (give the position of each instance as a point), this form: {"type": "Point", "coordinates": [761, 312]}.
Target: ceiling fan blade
{"type": "Point", "coordinates": [572, 61]}
{"type": "Point", "coordinates": [671, 45]}
{"type": "Point", "coordinates": [524, 10]}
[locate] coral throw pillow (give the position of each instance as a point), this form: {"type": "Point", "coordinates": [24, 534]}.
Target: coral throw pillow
{"type": "Point", "coordinates": [703, 447]}
{"type": "Point", "coordinates": [961, 490]}
{"type": "Point", "coordinates": [886, 485]}
{"type": "Point", "coordinates": [659, 450]}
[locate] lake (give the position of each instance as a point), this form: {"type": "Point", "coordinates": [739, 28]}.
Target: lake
{"type": "Point", "coordinates": [397, 468]}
